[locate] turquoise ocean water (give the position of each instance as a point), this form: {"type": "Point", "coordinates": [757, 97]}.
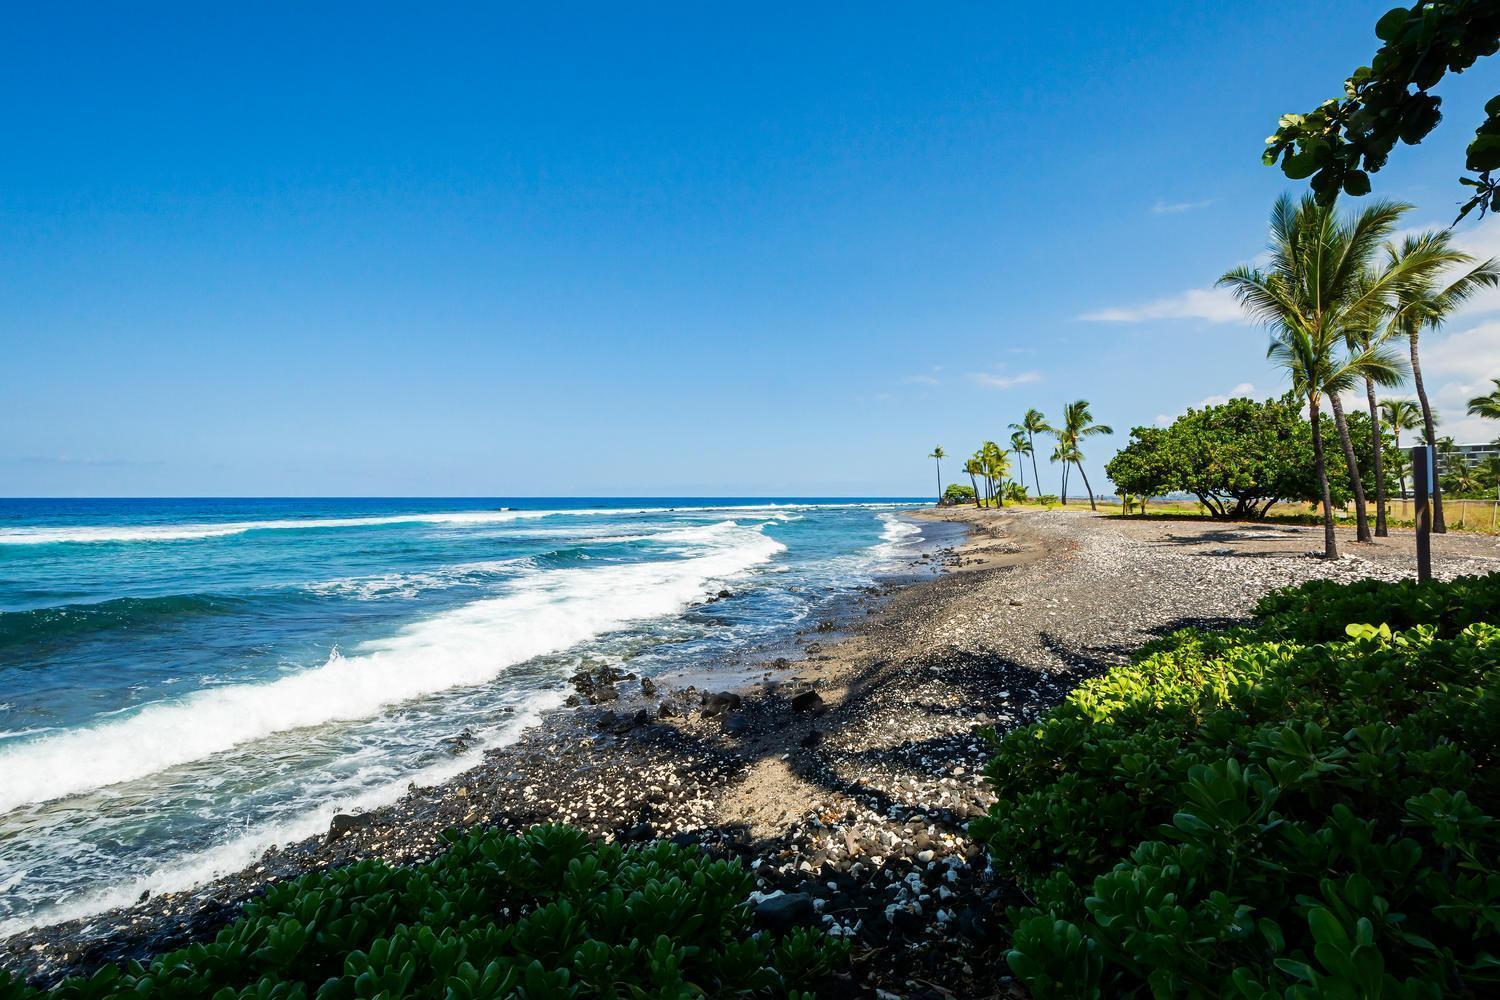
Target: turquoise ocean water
{"type": "Point", "coordinates": [184, 683]}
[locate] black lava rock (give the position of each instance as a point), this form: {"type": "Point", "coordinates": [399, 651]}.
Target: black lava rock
{"type": "Point", "coordinates": [807, 701]}
{"type": "Point", "coordinates": [782, 913]}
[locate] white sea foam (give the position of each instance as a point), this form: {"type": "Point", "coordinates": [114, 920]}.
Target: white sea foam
{"type": "Point", "coordinates": [542, 612]}
{"type": "Point", "coordinates": [47, 535]}
{"type": "Point", "coordinates": [386, 585]}
{"type": "Point", "coordinates": [39, 535]}
{"type": "Point", "coordinates": [895, 536]}
{"type": "Point", "coordinates": [242, 851]}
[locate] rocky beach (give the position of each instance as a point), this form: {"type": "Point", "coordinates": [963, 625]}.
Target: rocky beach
{"type": "Point", "coordinates": [844, 776]}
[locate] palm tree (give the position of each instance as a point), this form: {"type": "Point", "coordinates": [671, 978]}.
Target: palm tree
{"type": "Point", "coordinates": [1021, 446]}
{"type": "Point", "coordinates": [1032, 424]}
{"type": "Point", "coordinates": [1077, 425]}
{"type": "Point", "coordinates": [997, 467]}
{"type": "Point", "coordinates": [1317, 286]}
{"type": "Point", "coordinates": [1401, 415]}
{"type": "Point", "coordinates": [938, 455]}
{"type": "Point", "coordinates": [1462, 480]}
{"type": "Point", "coordinates": [1488, 405]}
{"type": "Point", "coordinates": [1064, 453]}
{"type": "Point", "coordinates": [1488, 472]}
{"type": "Point", "coordinates": [974, 467]}
{"type": "Point", "coordinates": [1420, 302]}
{"type": "Point", "coordinates": [989, 457]}
{"type": "Point", "coordinates": [1360, 338]}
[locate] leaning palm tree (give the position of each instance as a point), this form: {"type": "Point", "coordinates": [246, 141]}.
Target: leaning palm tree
{"type": "Point", "coordinates": [1020, 446]}
{"type": "Point", "coordinates": [1488, 405]}
{"type": "Point", "coordinates": [1401, 415]}
{"type": "Point", "coordinates": [1032, 424]}
{"type": "Point", "coordinates": [1422, 302]}
{"type": "Point", "coordinates": [974, 467]}
{"type": "Point", "coordinates": [1317, 286]}
{"type": "Point", "coordinates": [1077, 425]}
{"type": "Point", "coordinates": [938, 455]}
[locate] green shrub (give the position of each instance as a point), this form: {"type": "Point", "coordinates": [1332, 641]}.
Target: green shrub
{"type": "Point", "coordinates": [1318, 611]}
{"type": "Point", "coordinates": [547, 914]}
{"type": "Point", "coordinates": [1239, 815]}
{"type": "Point", "coordinates": [958, 493]}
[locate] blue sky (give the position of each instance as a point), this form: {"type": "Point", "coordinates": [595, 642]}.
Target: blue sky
{"type": "Point", "coordinates": [647, 249]}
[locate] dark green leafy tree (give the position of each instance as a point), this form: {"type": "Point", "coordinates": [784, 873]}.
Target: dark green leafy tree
{"type": "Point", "coordinates": [958, 493]}
{"type": "Point", "coordinates": [1345, 139]}
{"type": "Point", "coordinates": [1238, 458]}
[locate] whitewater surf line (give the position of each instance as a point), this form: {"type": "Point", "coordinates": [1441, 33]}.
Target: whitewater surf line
{"type": "Point", "coordinates": [87, 534]}
{"type": "Point", "coordinates": [242, 851]}
{"type": "Point", "coordinates": [545, 612]}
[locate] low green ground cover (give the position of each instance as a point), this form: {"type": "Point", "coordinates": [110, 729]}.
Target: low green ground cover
{"type": "Point", "coordinates": [1301, 808]}
{"type": "Point", "coordinates": [546, 915]}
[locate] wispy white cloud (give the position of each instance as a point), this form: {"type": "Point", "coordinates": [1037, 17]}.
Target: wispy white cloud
{"type": "Point", "coordinates": [929, 377]}
{"type": "Point", "coordinates": [1243, 389]}
{"type": "Point", "coordinates": [1459, 367]}
{"type": "Point", "coordinates": [1217, 399]}
{"type": "Point", "coordinates": [1003, 381]}
{"type": "Point", "coordinates": [1176, 207]}
{"type": "Point", "coordinates": [1213, 305]}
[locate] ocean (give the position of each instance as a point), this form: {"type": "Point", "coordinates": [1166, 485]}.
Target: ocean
{"type": "Point", "coordinates": [186, 683]}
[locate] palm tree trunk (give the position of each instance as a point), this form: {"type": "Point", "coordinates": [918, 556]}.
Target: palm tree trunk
{"type": "Point", "coordinates": [1092, 506]}
{"type": "Point", "coordinates": [1375, 446]}
{"type": "Point", "coordinates": [1361, 515]}
{"type": "Point", "coordinates": [1438, 524]}
{"type": "Point", "coordinates": [1330, 540]}
{"type": "Point", "coordinates": [1064, 497]}
{"type": "Point", "coordinates": [1396, 431]}
{"type": "Point", "coordinates": [973, 482]}
{"type": "Point", "coordinates": [1036, 476]}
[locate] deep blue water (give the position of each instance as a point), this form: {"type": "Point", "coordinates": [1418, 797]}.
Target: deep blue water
{"type": "Point", "coordinates": [185, 682]}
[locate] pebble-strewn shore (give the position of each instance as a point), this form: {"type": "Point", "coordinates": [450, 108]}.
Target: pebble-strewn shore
{"type": "Point", "coordinates": [846, 778]}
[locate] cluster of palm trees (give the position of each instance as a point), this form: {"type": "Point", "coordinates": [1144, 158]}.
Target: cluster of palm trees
{"type": "Point", "coordinates": [1338, 293]}
{"type": "Point", "coordinates": [991, 464]}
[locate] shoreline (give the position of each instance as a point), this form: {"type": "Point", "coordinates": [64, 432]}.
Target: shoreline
{"type": "Point", "coordinates": [574, 743]}
{"type": "Point", "coordinates": [846, 777]}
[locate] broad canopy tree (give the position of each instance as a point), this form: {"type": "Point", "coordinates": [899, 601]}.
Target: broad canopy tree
{"type": "Point", "coordinates": [1238, 458]}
